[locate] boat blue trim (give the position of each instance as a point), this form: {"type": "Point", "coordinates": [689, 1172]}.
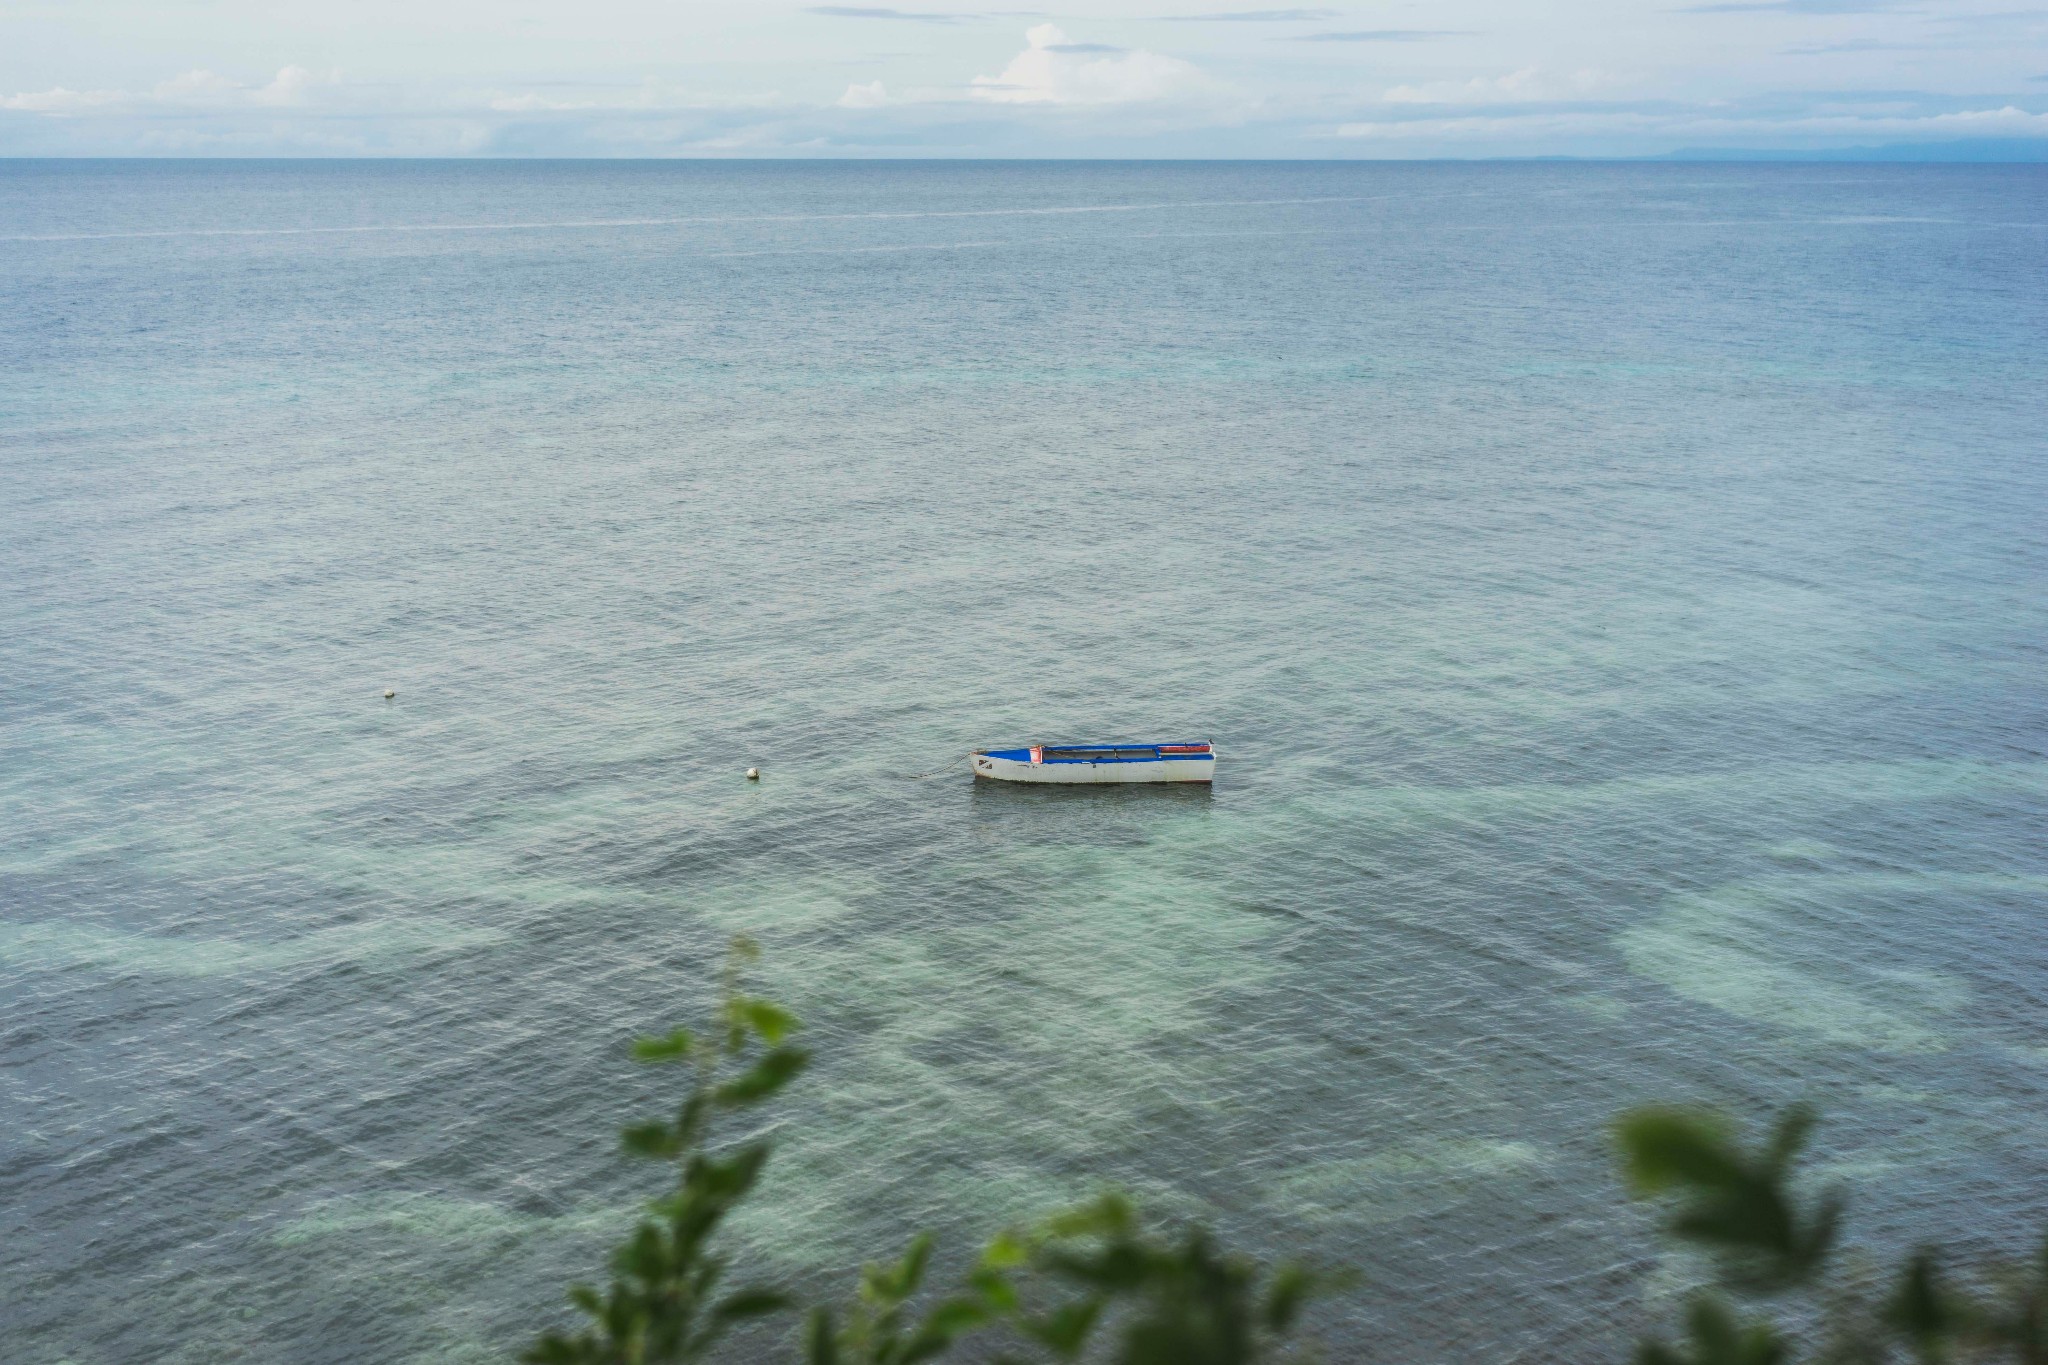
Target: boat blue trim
{"type": "Point", "coordinates": [1162, 758]}
{"type": "Point", "coordinates": [1170, 743]}
{"type": "Point", "coordinates": [1147, 753]}
{"type": "Point", "coordinates": [1024, 756]}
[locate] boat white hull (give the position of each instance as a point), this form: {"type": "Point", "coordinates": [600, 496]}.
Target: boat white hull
{"type": "Point", "coordinates": [1085, 772]}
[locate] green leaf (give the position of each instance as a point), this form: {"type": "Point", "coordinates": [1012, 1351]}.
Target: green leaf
{"type": "Point", "coordinates": [1663, 1147]}
{"type": "Point", "coordinates": [1120, 1268]}
{"type": "Point", "coordinates": [942, 1327]}
{"type": "Point", "coordinates": [706, 1276]}
{"type": "Point", "coordinates": [730, 1178]}
{"type": "Point", "coordinates": [553, 1349]}
{"type": "Point", "coordinates": [769, 1021]}
{"type": "Point", "coordinates": [900, 1281]}
{"type": "Point", "coordinates": [1109, 1216]}
{"type": "Point", "coordinates": [1718, 1338]}
{"type": "Point", "coordinates": [675, 1047]}
{"type": "Point", "coordinates": [643, 1256]}
{"type": "Point", "coordinates": [955, 1316]}
{"type": "Point", "coordinates": [660, 1308]}
{"type": "Point", "coordinates": [994, 1289]}
{"type": "Point", "coordinates": [750, 1303]}
{"type": "Point", "coordinates": [1734, 1204]}
{"type": "Point", "coordinates": [1293, 1286]}
{"type": "Point", "coordinates": [691, 1116]}
{"type": "Point", "coordinates": [764, 1078]}
{"type": "Point", "coordinates": [1788, 1139]}
{"type": "Point", "coordinates": [1065, 1330]}
{"type": "Point", "coordinates": [650, 1139]}
{"type": "Point", "coordinates": [821, 1343]}
{"type": "Point", "coordinates": [1006, 1252]}
{"type": "Point", "coordinates": [1922, 1310]}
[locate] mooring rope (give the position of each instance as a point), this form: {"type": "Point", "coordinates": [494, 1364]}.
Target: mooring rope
{"type": "Point", "coordinates": [941, 772]}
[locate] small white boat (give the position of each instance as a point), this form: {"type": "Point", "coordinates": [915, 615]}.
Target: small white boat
{"type": "Point", "coordinates": [1178, 762]}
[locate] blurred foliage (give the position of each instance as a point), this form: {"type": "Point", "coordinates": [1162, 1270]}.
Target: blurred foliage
{"type": "Point", "coordinates": [878, 1330]}
{"type": "Point", "coordinates": [1097, 1283]}
{"type": "Point", "coordinates": [664, 1304]}
{"type": "Point", "coordinates": [1164, 1300]}
{"type": "Point", "coordinates": [1119, 1292]}
{"type": "Point", "coordinates": [1734, 1204]}
{"type": "Point", "coordinates": [1743, 1210]}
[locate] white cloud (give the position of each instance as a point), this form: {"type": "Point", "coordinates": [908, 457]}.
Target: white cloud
{"type": "Point", "coordinates": [291, 85]}
{"type": "Point", "coordinates": [1527, 85]}
{"type": "Point", "coordinates": [1578, 86]}
{"type": "Point", "coordinates": [651, 96]}
{"type": "Point", "coordinates": [539, 104]}
{"type": "Point", "coordinates": [195, 89]}
{"type": "Point", "coordinates": [1848, 129]}
{"type": "Point", "coordinates": [62, 101]}
{"type": "Point", "coordinates": [1052, 69]}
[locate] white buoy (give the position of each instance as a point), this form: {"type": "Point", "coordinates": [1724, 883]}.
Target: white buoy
{"type": "Point", "coordinates": [753, 774]}
{"type": "Point", "coordinates": [390, 692]}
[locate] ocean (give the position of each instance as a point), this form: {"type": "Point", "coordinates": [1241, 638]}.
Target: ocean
{"type": "Point", "coordinates": [1618, 593]}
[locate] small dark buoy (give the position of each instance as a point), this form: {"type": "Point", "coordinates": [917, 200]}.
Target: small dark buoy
{"type": "Point", "coordinates": [390, 692]}
{"type": "Point", "coordinates": [753, 774]}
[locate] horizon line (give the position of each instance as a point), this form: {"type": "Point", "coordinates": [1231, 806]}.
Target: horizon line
{"type": "Point", "coordinates": [1892, 154]}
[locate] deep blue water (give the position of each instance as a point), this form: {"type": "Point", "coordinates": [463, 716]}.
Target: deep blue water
{"type": "Point", "coordinates": [1619, 593]}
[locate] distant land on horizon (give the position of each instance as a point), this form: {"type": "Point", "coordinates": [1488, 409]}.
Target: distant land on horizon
{"type": "Point", "coordinates": [1976, 150]}
{"type": "Point", "coordinates": [1968, 151]}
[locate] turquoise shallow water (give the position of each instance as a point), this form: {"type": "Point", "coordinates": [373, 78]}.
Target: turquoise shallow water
{"type": "Point", "coordinates": [1617, 592]}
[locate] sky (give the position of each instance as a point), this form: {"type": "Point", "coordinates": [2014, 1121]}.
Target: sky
{"type": "Point", "coordinates": [1351, 78]}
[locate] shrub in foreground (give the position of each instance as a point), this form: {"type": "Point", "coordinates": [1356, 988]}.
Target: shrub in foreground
{"type": "Point", "coordinates": [1103, 1283]}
